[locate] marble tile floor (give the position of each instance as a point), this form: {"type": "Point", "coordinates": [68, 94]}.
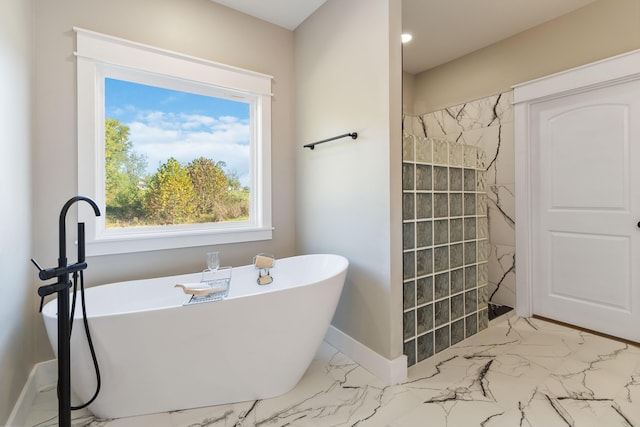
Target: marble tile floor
{"type": "Point", "coordinates": [518, 372]}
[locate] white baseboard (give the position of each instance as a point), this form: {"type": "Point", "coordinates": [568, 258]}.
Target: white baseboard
{"type": "Point", "coordinates": [390, 371]}
{"type": "Point", "coordinates": [43, 374]}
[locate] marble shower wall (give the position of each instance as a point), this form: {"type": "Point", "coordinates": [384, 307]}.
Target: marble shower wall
{"type": "Point", "coordinates": [488, 124]}
{"type": "Point", "coordinates": [445, 244]}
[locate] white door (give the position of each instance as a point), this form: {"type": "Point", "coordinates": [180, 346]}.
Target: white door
{"type": "Point", "coordinates": [586, 198]}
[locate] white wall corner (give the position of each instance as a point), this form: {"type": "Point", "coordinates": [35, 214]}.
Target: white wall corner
{"type": "Point", "coordinates": [43, 374]}
{"type": "Point", "coordinates": [390, 371]}
{"type": "Point", "coordinates": [523, 210]}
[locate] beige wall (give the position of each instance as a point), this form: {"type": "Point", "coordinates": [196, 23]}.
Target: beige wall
{"type": "Point", "coordinates": [17, 310]}
{"type": "Point", "coordinates": [195, 27]}
{"type": "Point", "coordinates": [408, 92]}
{"type": "Point", "coordinates": [599, 30]}
{"type": "Point", "coordinates": [348, 76]}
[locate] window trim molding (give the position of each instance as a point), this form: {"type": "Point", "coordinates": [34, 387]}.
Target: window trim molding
{"type": "Point", "coordinates": [94, 53]}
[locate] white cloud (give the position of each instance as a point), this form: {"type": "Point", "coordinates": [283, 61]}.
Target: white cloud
{"type": "Point", "coordinates": [159, 135]}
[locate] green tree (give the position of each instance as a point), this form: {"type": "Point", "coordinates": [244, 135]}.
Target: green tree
{"type": "Point", "coordinates": [209, 184]}
{"type": "Point", "coordinates": [124, 172]}
{"type": "Point", "coordinates": [170, 196]}
{"type": "Point", "coordinates": [236, 201]}
{"type": "Point", "coordinates": [234, 181]}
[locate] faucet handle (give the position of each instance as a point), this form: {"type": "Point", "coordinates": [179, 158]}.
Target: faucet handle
{"type": "Point", "coordinates": [52, 288]}
{"type": "Point", "coordinates": [41, 296]}
{"type": "Point", "coordinates": [45, 273]}
{"type": "Point", "coordinates": [46, 290]}
{"type": "Point", "coordinates": [36, 264]}
{"type": "Point", "coordinates": [50, 273]}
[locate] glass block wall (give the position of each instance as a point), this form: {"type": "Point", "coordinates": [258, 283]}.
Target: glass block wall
{"type": "Point", "coordinates": [445, 244]}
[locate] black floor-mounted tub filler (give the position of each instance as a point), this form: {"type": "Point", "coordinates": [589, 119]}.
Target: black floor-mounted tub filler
{"type": "Point", "coordinates": [61, 287]}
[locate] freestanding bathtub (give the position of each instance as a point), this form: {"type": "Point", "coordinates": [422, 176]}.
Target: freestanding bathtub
{"type": "Point", "coordinates": [157, 355]}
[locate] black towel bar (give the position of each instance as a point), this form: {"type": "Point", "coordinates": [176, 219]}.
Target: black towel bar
{"type": "Point", "coordinates": [353, 135]}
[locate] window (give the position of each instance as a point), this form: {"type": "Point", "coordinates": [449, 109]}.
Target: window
{"type": "Point", "coordinates": [174, 149]}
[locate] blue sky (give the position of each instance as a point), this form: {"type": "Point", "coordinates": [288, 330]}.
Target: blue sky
{"type": "Point", "coordinates": [166, 123]}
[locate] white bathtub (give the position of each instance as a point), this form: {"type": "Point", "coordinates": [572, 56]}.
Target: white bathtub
{"type": "Point", "coordinates": [157, 355]}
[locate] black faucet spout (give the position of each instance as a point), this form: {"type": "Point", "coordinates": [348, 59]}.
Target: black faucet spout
{"type": "Point", "coordinates": [62, 228]}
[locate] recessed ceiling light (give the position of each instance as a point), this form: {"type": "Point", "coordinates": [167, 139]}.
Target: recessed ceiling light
{"type": "Point", "coordinates": [406, 38]}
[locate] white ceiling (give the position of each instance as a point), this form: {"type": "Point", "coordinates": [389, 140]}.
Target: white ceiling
{"type": "Point", "coordinates": [442, 30]}
{"type": "Point", "coordinates": [285, 13]}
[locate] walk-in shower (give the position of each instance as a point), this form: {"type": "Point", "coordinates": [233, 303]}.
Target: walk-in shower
{"type": "Point", "coordinates": [445, 244]}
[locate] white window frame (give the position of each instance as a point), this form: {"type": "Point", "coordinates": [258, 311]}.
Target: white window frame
{"type": "Point", "coordinates": [100, 56]}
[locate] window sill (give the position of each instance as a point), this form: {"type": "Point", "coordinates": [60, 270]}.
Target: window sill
{"type": "Point", "coordinates": [120, 244]}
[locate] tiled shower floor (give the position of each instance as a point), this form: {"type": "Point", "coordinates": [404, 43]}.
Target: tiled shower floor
{"type": "Point", "coordinates": [518, 372]}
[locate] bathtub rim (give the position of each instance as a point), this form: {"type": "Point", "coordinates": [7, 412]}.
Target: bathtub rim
{"type": "Point", "coordinates": [50, 308]}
